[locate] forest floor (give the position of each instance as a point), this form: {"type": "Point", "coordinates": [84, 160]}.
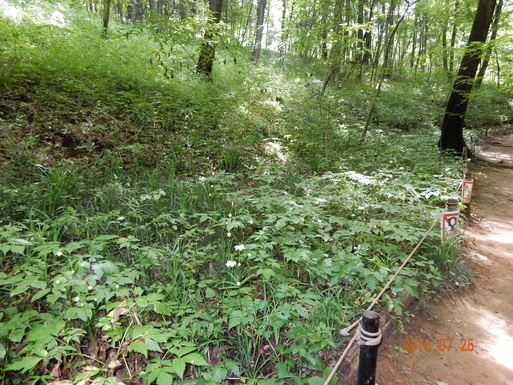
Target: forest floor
{"type": "Point", "coordinates": [479, 320]}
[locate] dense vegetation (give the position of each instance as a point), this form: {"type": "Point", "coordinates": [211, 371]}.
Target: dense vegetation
{"type": "Point", "coordinates": [160, 228]}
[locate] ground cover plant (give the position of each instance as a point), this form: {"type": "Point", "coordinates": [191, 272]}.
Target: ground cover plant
{"type": "Point", "coordinates": [160, 229]}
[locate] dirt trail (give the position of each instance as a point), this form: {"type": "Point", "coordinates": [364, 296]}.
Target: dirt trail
{"type": "Point", "coordinates": [482, 315]}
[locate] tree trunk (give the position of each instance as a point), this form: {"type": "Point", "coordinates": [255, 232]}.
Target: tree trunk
{"type": "Point", "coordinates": [106, 16]}
{"type": "Point", "coordinates": [283, 42]}
{"type": "Point", "coordinates": [208, 47]}
{"type": "Point", "coordinates": [453, 38]}
{"type": "Point", "coordinates": [259, 30]}
{"type": "Point", "coordinates": [488, 52]}
{"type": "Point", "coordinates": [451, 137]}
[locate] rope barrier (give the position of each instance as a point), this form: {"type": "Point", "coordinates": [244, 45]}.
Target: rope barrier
{"type": "Point", "coordinates": [371, 339]}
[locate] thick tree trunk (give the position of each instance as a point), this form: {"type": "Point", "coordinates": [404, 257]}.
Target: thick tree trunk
{"type": "Point", "coordinates": [208, 48]}
{"type": "Point", "coordinates": [451, 137]}
{"type": "Point", "coordinates": [259, 29]}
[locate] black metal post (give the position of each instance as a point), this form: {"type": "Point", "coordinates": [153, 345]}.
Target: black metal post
{"type": "Point", "coordinates": [368, 348]}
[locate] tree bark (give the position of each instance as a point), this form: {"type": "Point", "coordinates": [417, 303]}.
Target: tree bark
{"type": "Point", "coordinates": [208, 47]}
{"type": "Point", "coordinates": [451, 137]}
{"type": "Point", "coordinates": [106, 17]}
{"type": "Point", "coordinates": [488, 52]}
{"type": "Point", "coordinates": [259, 29]}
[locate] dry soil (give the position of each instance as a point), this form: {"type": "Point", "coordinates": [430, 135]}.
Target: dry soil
{"type": "Point", "coordinates": [478, 320]}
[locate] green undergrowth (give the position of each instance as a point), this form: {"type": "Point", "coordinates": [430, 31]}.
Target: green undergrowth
{"type": "Point", "coordinates": [157, 228]}
{"type": "Point", "coordinates": [210, 278]}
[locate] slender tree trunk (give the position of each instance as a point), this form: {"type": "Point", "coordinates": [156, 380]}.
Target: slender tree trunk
{"type": "Point", "coordinates": [283, 43]}
{"type": "Point", "coordinates": [488, 52]}
{"type": "Point", "coordinates": [451, 137]}
{"type": "Point", "coordinates": [445, 61]}
{"type": "Point", "coordinates": [208, 48]}
{"type": "Point", "coordinates": [106, 17]}
{"type": "Point", "coordinates": [248, 23]}
{"type": "Point", "coordinates": [385, 71]}
{"type": "Point", "coordinates": [453, 39]}
{"type": "Point", "coordinates": [259, 29]}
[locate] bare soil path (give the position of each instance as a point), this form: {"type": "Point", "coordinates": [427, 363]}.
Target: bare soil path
{"type": "Point", "coordinates": [479, 320]}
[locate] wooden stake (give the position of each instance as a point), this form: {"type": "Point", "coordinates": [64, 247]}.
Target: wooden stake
{"type": "Point", "coordinates": [368, 352]}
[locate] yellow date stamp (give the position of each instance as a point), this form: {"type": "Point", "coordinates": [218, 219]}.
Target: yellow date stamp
{"type": "Point", "coordinates": [441, 345]}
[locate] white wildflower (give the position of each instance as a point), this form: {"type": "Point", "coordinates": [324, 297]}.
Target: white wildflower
{"type": "Point", "coordinates": [238, 283]}
{"type": "Point", "coordinates": [89, 287]}
{"type": "Point", "coordinates": [59, 253]}
{"type": "Point", "coordinates": [240, 247]}
{"type": "Point", "coordinates": [229, 235]}
{"type": "Point", "coordinates": [231, 264]}
{"type": "Point", "coordinates": [76, 299]}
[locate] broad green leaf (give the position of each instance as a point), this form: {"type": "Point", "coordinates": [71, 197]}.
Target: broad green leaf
{"type": "Point", "coordinates": [160, 308]}
{"type": "Point", "coordinates": [179, 366]}
{"type": "Point", "coordinates": [40, 294]}
{"type": "Point", "coordinates": [315, 381]}
{"type": "Point", "coordinates": [218, 373]}
{"type": "Point", "coordinates": [139, 347]}
{"type": "Point", "coordinates": [240, 318]}
{"type": "Point", "coordinates": [153, 346]}
{"type": "Point", "coordinates": [164, 378]}
{"type": "Point", "coordinates": [153, 373]}
{"type": "Point", "coordinates": [25, 364]}
{"type": "Point", "coordinates": [104, 268]}
{"type": "Point", "coordinates": [19, 290]}
{"type": "Point", "coordinates": [17, 249]}
{"type": "Point", "coordinates": [195, 359]}
{"type": "Point", "coordinates": [17, 335]}
{"type": "Point", "coordinates": [209, 293]}
{"type": "Point", "coordinates": [3, 351]}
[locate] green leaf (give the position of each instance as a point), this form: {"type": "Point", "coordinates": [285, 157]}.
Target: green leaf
{"type": "Point", "coordinates": [19, 290]}
{"type": "Point", "coordinates": [164, 378]}
{"type": "Point", "coordinates": [154, 372]}
{"type": "Point", "coordinates": [160, 308]}
{"type": "Point", "coordinates": [412, 291]}
{"type": "Point", "coordinates": [139, 347]}
{"type": "Point", "coordinates": [40, 294]}
{"type": "Point", "coordinates": [104, 268]}
{"type": "Point", "coordinates": [3, 351]}
{"type": "Point", "coordinates": [17, 335]}
{"type": "Point", "coordinates": [209, 293]}
{"type": "Point", "coordinates": [218, 374]}
{"type": "Point", "coordinates": [315, 381]}
{"type": "Point", "coordinates": [153, 346]}
{"type": "Point", "coordinates": [25, 364]}
{"type": "Point", "coordinates": [179, 366]}
{"type": "Point", "coordinates": [195, 359]}
{"type": "Point", "coordinates": [17, 249]}
{"type": "Point", "coordinates": [240, 318]}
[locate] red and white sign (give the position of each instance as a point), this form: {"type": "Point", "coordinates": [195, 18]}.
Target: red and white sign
{"type": "Point", "coordinates": [466, 191]}
{"type": "Point", "coordinates": [449, 221]}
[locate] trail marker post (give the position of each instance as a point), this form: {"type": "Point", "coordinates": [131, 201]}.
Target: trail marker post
{"type": "Point", "coordinates": [450, 218]}
{"type": "Point", "coordinates": [466, 191]}
{"type": "Point", "coordinates": [370, 338]}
